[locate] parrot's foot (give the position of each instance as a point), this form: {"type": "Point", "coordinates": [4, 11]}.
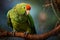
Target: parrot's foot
{"type": "Point", "coordinates": [26, 34]}
{"type": "Point", "coordinates": [13, 32]}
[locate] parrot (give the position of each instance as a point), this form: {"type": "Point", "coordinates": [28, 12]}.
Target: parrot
{"type": "Point", "coordinates": [20, 19]}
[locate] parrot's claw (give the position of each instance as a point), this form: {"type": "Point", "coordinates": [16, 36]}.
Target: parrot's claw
{"type": "Point", "coordinates": [26, 34]}
{"type": "Point", "coordinates": [13, 32]}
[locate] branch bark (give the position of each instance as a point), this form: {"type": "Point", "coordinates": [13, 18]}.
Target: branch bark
{"type": "Point", "coordinates": [31, 36]}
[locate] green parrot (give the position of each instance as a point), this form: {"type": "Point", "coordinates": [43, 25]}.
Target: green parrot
{"type": "Point", "coordinates": [20, 20]}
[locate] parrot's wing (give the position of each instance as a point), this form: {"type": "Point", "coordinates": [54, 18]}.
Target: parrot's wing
{"type": "Point", "coordinates": [9, 19]}
{"type": "Point", "coordinates": [31, 22]}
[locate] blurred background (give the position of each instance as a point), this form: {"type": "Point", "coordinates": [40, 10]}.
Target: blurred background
{"type": "Point", "coordinates": [37, 8]}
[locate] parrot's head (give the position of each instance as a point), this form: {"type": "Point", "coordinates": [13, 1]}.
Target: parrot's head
{"type": "Point", "coordinates": [23, 8]}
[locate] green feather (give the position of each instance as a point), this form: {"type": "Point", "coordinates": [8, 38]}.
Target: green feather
{"type": "Point", "coordinates": [19, 21]}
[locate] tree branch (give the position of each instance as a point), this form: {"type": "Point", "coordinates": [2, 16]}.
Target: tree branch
{"type": "Point", "coordinates": [31, 36]}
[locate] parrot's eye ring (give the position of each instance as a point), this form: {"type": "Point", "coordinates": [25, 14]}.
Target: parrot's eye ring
{"type": "Point", "coordinates": [24, 7]}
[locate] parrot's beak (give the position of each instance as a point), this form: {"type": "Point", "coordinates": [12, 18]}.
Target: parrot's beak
{"type": "Point", "coordinates": [28, 8]}
{"type": "Point", "coordinates": [27, 12]}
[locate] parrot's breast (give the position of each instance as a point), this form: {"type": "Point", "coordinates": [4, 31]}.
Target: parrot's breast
{"type": "Point", "coordinates": [20, 22]}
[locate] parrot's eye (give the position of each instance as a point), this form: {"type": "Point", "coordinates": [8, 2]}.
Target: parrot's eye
{"type": "Point", "coordinates": [24, 7]}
